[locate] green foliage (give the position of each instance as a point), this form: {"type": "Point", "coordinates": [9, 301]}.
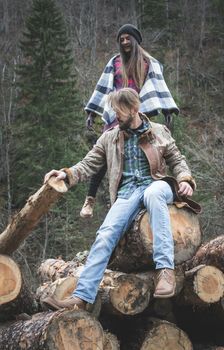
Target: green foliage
{"type": "Point", "coordinates": [47, 127]}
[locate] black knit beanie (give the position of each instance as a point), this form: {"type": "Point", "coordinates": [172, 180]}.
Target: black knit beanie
{"type": "Point", "coordinates": [131, 30]}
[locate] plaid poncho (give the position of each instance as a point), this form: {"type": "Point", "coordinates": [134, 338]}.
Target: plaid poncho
{"type": "Point", "coordinates": [154, 95]}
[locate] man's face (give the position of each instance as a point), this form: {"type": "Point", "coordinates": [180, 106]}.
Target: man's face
{"type": "Point", "coordinates": [124, 120]}
{"type": "Point", "coordinates": [125, 42]}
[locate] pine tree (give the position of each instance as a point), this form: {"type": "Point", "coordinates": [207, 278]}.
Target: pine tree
{"type": "Point", "coordinates": [47, 100]}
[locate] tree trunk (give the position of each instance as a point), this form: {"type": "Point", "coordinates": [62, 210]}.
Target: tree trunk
{"type": "Point", "coordinates": [61, 330]}
{"type": "Point", "coordinates": [165, 335]}
{"type": "Point", "coordinates": [210, 253]}
{"type": "Point", "coordinates": [15, 295]}
{"type": "Point", "coordinates": [134, 252]}
{"type": "Point", "coordinates": [23, 223]}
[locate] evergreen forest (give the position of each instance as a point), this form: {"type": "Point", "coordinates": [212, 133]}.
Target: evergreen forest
{"type": "Point", "coordinates": [52, 53]}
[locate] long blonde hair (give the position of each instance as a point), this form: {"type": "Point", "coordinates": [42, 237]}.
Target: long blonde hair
{"type": "Point", "coordinates": [133, 64]}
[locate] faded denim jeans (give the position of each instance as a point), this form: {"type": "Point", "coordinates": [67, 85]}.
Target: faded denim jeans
{"type": "Point", "coordinates": [155, 198]}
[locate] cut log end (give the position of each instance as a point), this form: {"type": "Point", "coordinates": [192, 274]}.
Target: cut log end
{"type": "Point", "coordinates": [165, 335]}
{"type": "Point", "coordinates": [59, 186]}
{"type": "Point", "coordinates": [131, 295]}
{"type": "Point", "coordinates": [209, 284]}
{"type": "Point", "coordinates": [10, 279]}
{"type": "Point", "coordinates": [74, 330]}
{"type": "Point", "coordinates": [60, 330]}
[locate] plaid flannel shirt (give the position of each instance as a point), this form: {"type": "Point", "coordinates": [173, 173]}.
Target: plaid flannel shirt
{"type": "Point", "coordinates": [154, 95]}
{"type": "Point", "coordinates": [136, 166]}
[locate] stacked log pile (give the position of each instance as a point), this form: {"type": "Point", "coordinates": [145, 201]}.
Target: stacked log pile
{"type": "Point", "coordinates": [125, 315]}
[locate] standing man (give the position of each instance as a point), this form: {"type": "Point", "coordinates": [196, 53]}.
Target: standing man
{"type": "Point", "coordinates": [133, 67]}
{"type": "Point", "coordinates": [136, 153]}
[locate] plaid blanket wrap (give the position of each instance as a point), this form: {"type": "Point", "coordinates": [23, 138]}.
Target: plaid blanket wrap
{"type": "Point", "coordinates": [154, 95]}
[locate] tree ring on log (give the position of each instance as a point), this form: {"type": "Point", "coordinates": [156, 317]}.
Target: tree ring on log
{"type": "Point", "coordinates": [10, 279]}
{"type": "Point", "coordinates": [209, 284]}
{"type": "Point", "coordinates": [131, 295]}
{"type": "Point", "coordinates": [165, 335]}
{"type": "Point", "coordinates": [74, 330]}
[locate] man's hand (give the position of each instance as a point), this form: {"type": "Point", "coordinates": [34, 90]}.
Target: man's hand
{"type": "Point", "coordinates": [185, 189]}
{"type": "Point", "coordinates": [59, 175]}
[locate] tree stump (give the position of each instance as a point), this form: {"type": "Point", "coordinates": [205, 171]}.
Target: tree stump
{"type": "Point", "coordinates": [61, 330]}
{"type": "Point", "coordinates": [134, 251]}
{"type": "Point", "coordinates": [37, 205]}
{"type": "Point", "coordinates": [15, 295]}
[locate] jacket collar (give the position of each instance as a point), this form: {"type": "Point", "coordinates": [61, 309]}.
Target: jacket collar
{"type": "Point", "coordinates": [146, 135]}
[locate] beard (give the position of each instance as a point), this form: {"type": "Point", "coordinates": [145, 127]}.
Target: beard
{"type": "Point", "coordinates": [125, 125]}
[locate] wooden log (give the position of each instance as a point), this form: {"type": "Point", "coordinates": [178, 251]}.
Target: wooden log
{"type": "Point", "coordinates": [15, 295]}
{"type": "Point", "coordinates": [210, 253]}
{"type": "Point", "coordinates": [59, 289]}
{"type": "Point", "coordinates": [24, 222]}
{"type": "Point", "coordinates": [53, 269]}
{"type": "Point", "coordinates": [110, 342]}
{"type": "Point", "coordinates": [129, 294]}
{"type": "Point", "coordinates": [126, 294]}
{"type": "Point", "coordinates": [134, 251]}
{"type": "Point", "coordinates": [165, 335]}
{"type": "Point", "coordinates": [61, 330]}
{"type": "Point", "coordinates": [203, 285]}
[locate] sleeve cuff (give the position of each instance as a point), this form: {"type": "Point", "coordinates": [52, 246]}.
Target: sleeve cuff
{"type": "Point", "coordinates": [71, 178]}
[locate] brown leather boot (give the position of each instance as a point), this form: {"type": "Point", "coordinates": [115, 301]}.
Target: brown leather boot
{"type": "Point", "coordinates": [165, 283]}
{"type": "Point", "coordinates": [67, 303]}
{"type": "Point", "coordinates": [87, 209]}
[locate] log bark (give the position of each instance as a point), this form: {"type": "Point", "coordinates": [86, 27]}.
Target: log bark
{"type": "Point", "coordinates": [15, 295]}
{"type": "Point", "coordinates": [134, 251]}
{"type": "Point", "coordinates": [203, 286]}
{"type": "Point", "coordinates": [53, 269]}
{"type": "Point", "coordinates": [165, 335]}
{"type": "Point", "coordinates": [61, 330]}
{"type": "Point", "coordinates": [24, 222]}
{"type": "Point", "coordinates": [210, 253]}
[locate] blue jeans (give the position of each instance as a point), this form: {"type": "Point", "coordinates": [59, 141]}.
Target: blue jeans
{"type": "Point", "coordinates": [155, 198]}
